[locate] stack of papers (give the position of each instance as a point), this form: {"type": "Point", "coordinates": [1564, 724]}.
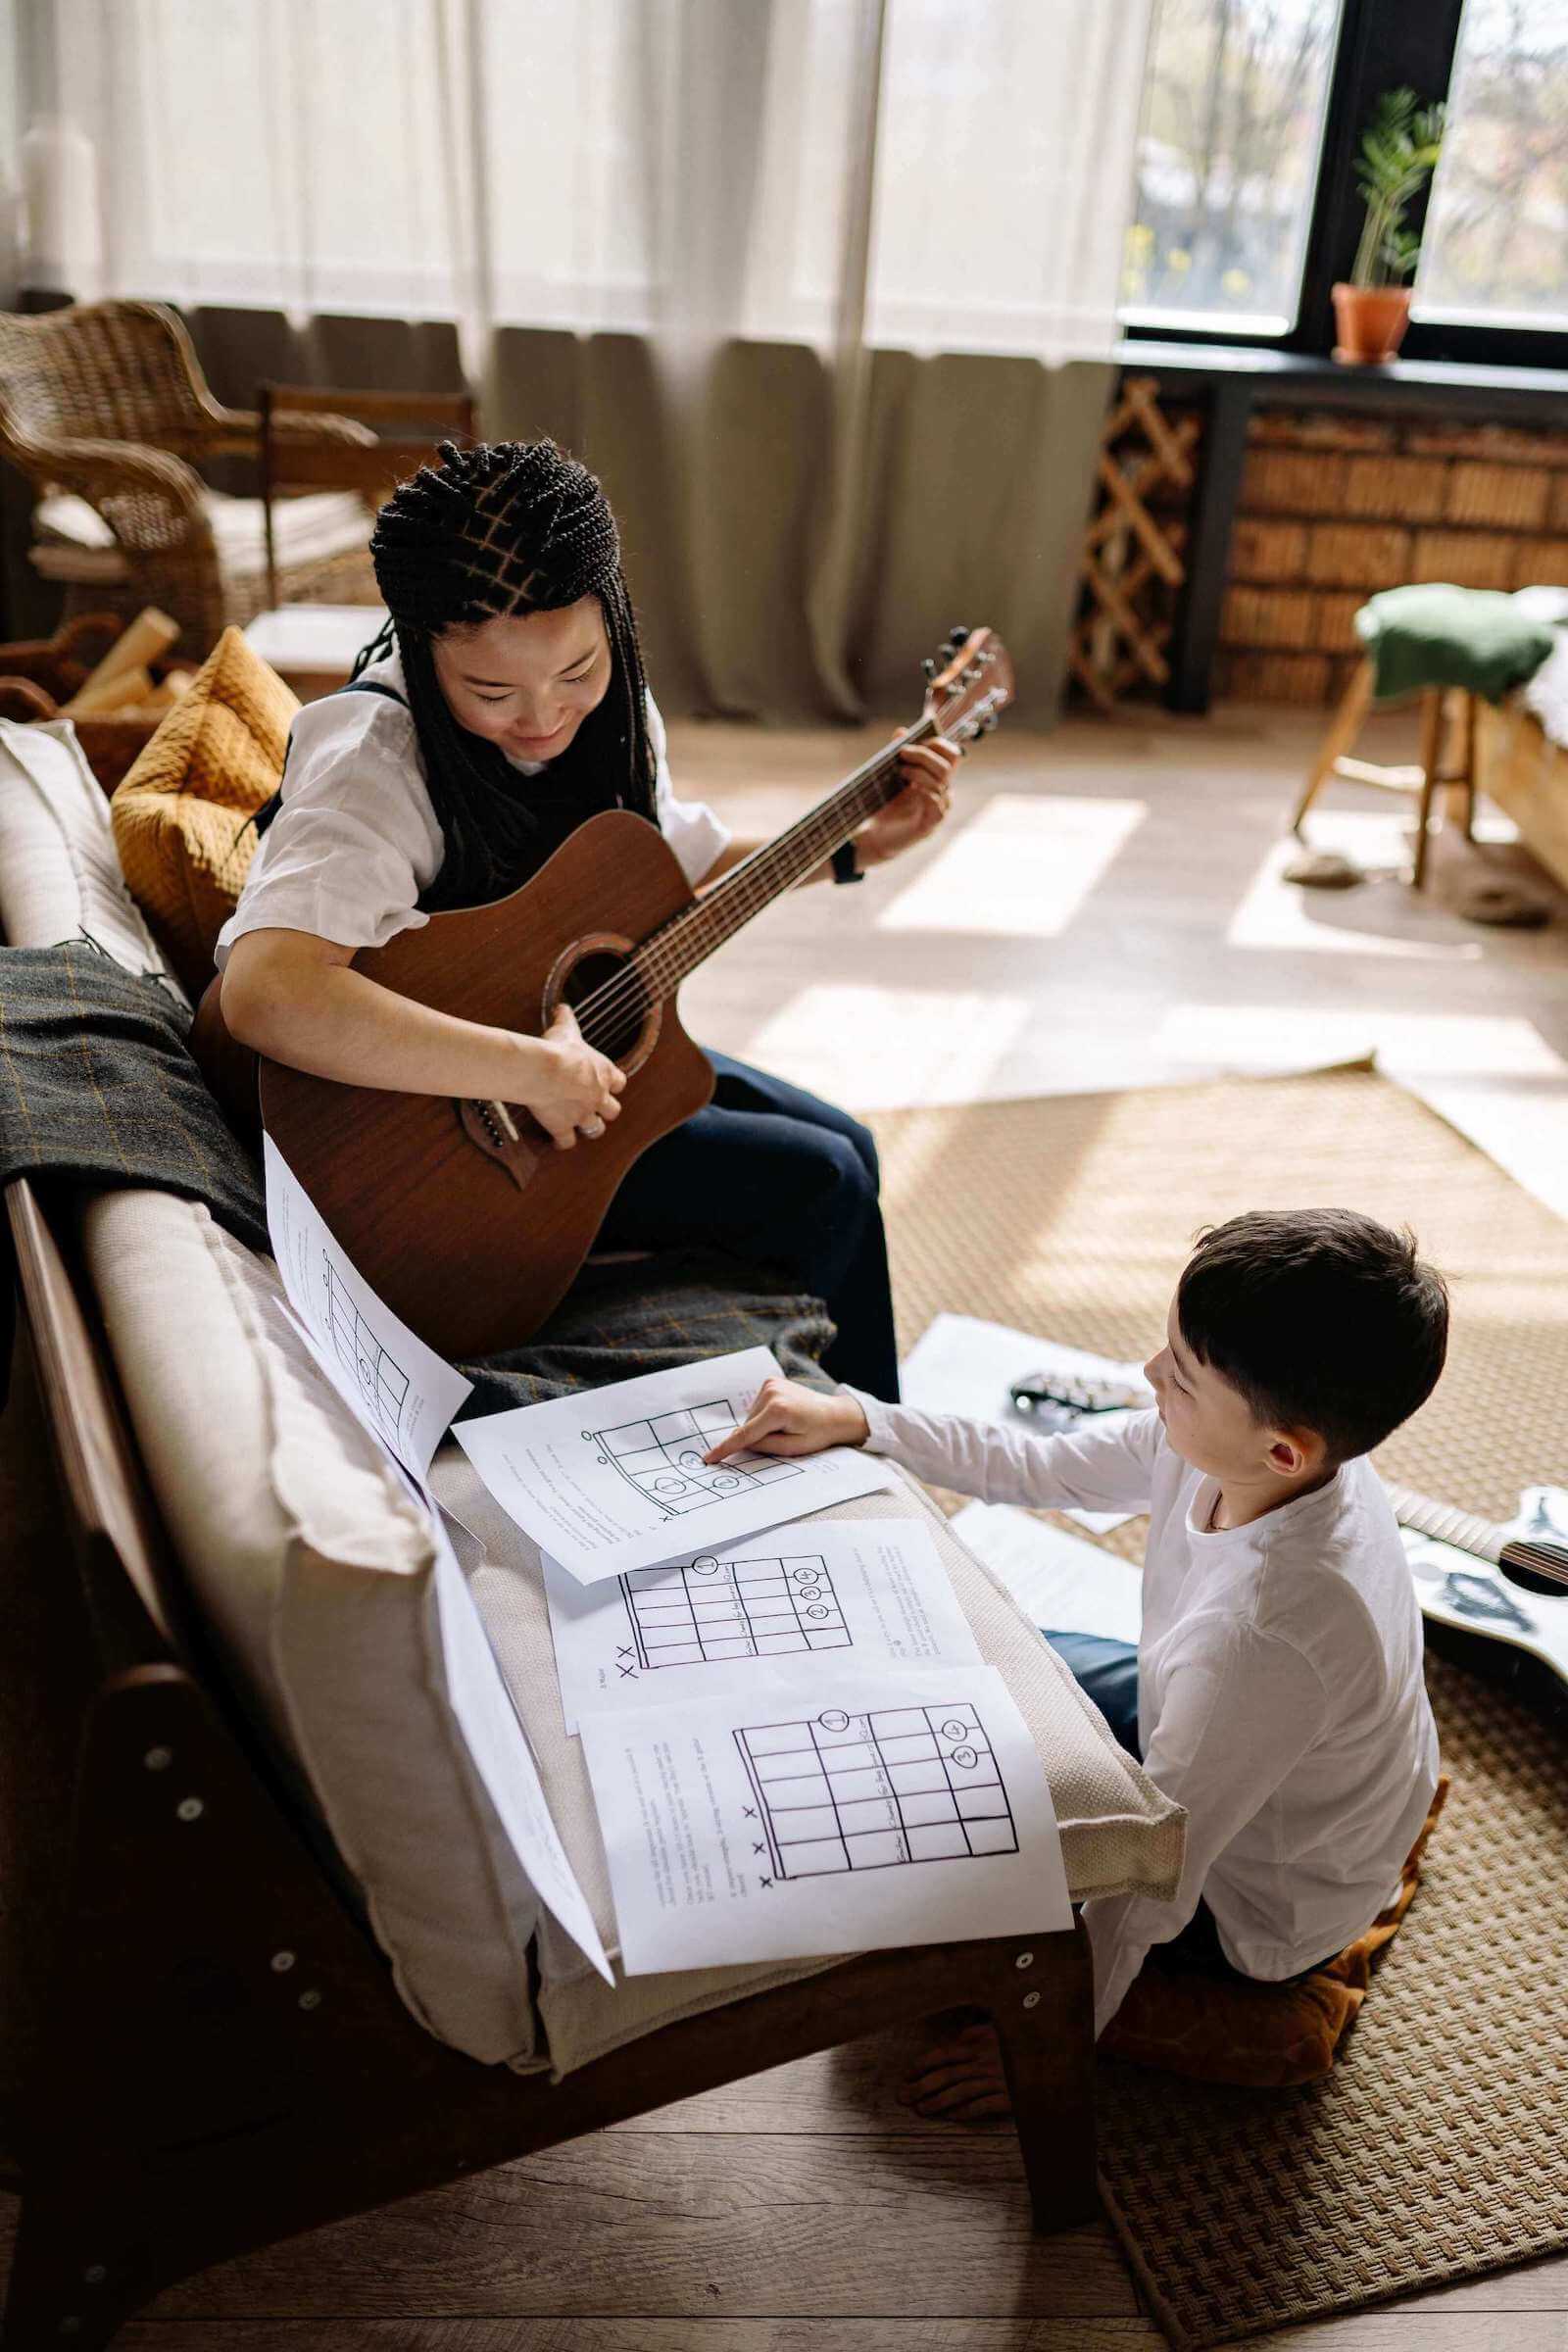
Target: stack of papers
{"type": "Point", "coordinates": [794, 1744]}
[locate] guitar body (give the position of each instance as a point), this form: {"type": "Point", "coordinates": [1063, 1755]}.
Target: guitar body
{"type": "Point", "coordinates": [470, 1237]}
{"type": "Point", "coordinates": [462, 1216]}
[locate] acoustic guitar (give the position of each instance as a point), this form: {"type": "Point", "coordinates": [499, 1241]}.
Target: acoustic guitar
{"type": "Point", "coordinates": [462, 1216]}
{"type": "Point", "coordinates": [1482, 1581]}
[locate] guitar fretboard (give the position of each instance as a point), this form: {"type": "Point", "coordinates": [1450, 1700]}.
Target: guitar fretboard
{"type": "Point", "coordinates": [1447, 1525]}
{"type": "Point", "coordinates": [665, 960]}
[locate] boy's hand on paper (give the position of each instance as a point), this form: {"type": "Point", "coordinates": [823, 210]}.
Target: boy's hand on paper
{"type": "Point", "coordinates": [787, 1418]}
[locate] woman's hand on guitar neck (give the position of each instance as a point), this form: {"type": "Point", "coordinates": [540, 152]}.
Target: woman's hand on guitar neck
{"type": "Point", "coordinates": [569, 1088]}
{"type": "Point", "coordinates": [927, 772]}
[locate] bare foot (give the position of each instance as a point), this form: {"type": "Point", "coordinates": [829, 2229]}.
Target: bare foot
{"type": "Point", "coordinates": [960, 2079]}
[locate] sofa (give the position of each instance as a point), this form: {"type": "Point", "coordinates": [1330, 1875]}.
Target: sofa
{"type": "Point", "coordinates": [276, 1960]}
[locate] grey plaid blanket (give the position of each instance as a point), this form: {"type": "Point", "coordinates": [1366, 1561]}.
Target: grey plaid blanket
{"type": "Point", "coordinates": [98, 1089]}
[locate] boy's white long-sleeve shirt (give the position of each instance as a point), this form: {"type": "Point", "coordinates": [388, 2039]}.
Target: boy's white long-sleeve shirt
{"type": "Point", "coordinates": [1280, 1690]}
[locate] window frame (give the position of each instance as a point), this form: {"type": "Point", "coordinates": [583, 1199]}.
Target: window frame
{"type": "Point", "coordinates": [1382, 45]}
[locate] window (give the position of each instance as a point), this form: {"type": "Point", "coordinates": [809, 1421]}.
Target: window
{"type": "Point", "coordinates": [1232, 127]}
{"type": "Point", "coordinates": [1496, 249]}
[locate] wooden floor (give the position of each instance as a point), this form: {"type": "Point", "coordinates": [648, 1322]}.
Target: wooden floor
{"type": "Point", "coordinates": [1105, 910]}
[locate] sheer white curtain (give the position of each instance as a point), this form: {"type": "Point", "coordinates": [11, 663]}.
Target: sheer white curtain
{"type": "Point", "coordinates": [610, 163]}
{"type": "Point", "coordinates": [844, 179]}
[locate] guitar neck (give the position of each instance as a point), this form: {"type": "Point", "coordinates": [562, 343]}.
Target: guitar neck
{"type": "Point", "coordinates": [1480, 1538]}
{"type": "Point", "coordinates": [1449, 1526]}
{"type": "Point", "coordinates": [664, 960]}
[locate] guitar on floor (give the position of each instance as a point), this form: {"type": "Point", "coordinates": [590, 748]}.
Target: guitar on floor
{"type": "Point", "coordinates": [1482, 1579]}
{"type": "Point", "coordinates": [461, 1215]}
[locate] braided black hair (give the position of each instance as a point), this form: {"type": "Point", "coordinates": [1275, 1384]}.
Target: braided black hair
{"type": "Point", "coordinates": [509, 526]}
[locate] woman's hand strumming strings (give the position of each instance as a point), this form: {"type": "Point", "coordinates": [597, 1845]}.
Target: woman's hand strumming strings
{"type": "Point", "coordinates": [569, 1088]}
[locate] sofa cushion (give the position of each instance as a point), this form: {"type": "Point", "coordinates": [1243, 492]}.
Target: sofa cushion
{"type": "Point", "coordinates": [316, 1575]}
{"type": "Point", "coordinates": [59, 876]}
{"type": "Point", "coordinates": [181, 817]}
{"type": "Point", "coordinates": [1118, 1833]}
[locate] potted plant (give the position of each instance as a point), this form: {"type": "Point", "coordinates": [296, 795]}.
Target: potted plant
{"type": "Point", "coordinates": [1396, 159]}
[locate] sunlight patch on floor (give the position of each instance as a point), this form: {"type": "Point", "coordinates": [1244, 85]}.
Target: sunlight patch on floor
{"type": "Point", "coordinates": [1261, 1037]}
{"type": "Point", "coordinates": [1020, 868]}
{"type": "Point", "coordinates": [880, 1049]}
{"type": "Point", "coordinates": [1380, 916]}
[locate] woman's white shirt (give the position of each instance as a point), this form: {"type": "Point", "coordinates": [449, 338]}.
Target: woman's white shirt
{"type": "Point", "coordinates": [356, 840]}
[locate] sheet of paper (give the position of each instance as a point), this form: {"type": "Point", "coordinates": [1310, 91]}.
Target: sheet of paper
{"type": "Point", "coordinates": [830, 1810]}
{"type": "Point", "coordinates": [501, 1755]}
{"type": "Point", "coordinates": [406, 1393]}
{"type": "Point", "coordinates": [613, 1479]}
{"type": "Point", "coordinates": [1063, 1584]}
{"type": "Point", "coordinates": [860, 1592]}
{"type": "Point", "coordinates": [960, 1364]}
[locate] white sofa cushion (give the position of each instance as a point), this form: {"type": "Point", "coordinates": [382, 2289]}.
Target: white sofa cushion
{"type": "Point", "coordinates": [59, 876]}
{"type": "Point", "coordinates": [316, 1574]}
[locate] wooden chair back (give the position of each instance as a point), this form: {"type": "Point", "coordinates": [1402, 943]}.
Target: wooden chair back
{"type": "Point", "coordinates": [402, 433]}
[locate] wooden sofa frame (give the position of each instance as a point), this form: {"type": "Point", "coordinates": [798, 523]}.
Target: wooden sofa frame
{"type": "Point", "coordinates": [216, 2056]}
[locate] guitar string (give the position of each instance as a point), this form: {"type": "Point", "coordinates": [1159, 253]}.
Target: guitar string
{"type": "Point", "coordinates": [748, 893]}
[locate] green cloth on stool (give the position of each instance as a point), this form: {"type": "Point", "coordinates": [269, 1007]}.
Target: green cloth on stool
{"type": "Point", "coordinates": [1439, 635]}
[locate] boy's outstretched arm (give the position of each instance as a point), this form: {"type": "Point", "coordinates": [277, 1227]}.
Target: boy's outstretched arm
{"type": "Point", "coordinates": [1085, 1469]}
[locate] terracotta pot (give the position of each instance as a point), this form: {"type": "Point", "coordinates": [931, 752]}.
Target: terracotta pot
{"type": "Point", "coordinates": [1371, 321]}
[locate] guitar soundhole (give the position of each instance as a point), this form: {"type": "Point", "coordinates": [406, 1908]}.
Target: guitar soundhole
{"type": "Point", "coordinates": [611, 1002]}
{"type": "Point", "coordinates": [1536, 1567]}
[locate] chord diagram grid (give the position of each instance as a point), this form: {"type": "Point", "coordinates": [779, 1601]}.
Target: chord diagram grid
{"type": "Point", "coordinates": [868, 1791]}
{"type": "Point", "coordinates": [663, 1457]}
{"type": "Point", "coordinates": [382, 1381]}
{"type": "Point", "coordinates": [710, 1610]}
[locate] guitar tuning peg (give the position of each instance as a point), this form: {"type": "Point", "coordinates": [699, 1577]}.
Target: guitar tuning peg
{"type": "Point", "coordinates": [928, 669]}
{"type": "Point", "coordinates": [971, 674]}
{"type": "Point", "coordinates": [959, 634]}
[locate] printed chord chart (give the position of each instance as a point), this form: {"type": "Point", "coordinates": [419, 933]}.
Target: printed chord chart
{"type": "Point", "coordinates": [711, 1609]}
{"type": "Point", "coordinates": [382, 1381]}
{"type": "Point", "coordinates": [847, 1791]}
{"type": "Point", "coordinates": [662, 1459]}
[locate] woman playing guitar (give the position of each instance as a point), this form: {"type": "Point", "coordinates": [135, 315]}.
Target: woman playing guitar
{"type": "Point", "coordinates": [502, 706]}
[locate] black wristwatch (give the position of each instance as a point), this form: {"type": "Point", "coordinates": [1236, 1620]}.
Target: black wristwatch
{"type": "Point", "coordinates": [845, 866]}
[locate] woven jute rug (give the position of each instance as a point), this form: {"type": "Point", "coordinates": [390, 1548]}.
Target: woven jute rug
{"type": "Point", "coordinates": [1436, 2148]}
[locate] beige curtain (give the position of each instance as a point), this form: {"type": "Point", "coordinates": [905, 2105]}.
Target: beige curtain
{"type": "Point", "coordinates": [824, 289]}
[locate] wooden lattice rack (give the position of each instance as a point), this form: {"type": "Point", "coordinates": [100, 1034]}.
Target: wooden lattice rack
{"type": "Point", "coordinates": [1135, 550]}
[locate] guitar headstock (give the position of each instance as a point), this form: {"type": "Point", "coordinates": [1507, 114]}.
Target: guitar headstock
{"type": "Point", "coordinates": [969, 683]}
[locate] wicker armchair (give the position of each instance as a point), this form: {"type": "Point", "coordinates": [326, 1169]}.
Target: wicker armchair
{"type": "Point", "coordinates": [107, 400]}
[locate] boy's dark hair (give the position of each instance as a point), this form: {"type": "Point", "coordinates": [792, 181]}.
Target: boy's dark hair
{"type": "Point", "coordinates": [1322, 1318]}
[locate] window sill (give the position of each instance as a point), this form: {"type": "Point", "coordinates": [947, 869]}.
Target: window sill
{"type": "Point", "coordinates": [1308, 378]}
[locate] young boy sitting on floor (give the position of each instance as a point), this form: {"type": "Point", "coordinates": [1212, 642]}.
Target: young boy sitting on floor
{"type": "Point", "coordinates": [1277, 1691]}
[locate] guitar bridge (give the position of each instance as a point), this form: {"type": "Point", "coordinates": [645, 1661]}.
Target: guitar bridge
{"type": "Point", "coordinates": [492, 1127]}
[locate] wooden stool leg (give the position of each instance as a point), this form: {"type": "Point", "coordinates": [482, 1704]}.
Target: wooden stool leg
{"type": "Point", "coordinates": [1343, 732]}
{"type": "Point", "coordinates": [1431, 763]}
{"type": "Point", "coordinates": [1467, 764]}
